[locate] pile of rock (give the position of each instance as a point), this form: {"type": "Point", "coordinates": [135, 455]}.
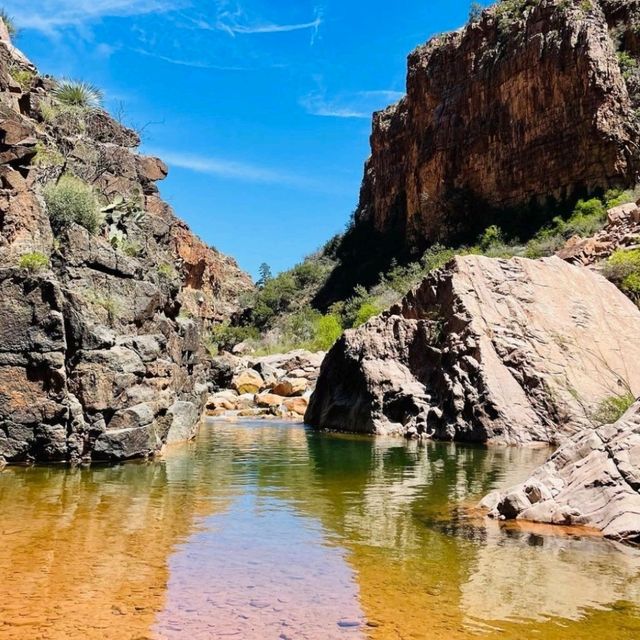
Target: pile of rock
{"type": "Point", "coordinates": [275, 386]}
{"type": "Point", "coordinates": [621, 232]}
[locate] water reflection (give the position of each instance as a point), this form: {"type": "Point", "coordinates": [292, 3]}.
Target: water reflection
{"type": "Point", "coordinates": [266, 530]}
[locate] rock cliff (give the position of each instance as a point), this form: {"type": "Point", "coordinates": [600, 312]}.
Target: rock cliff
{"type": "Point", "coordinates": [514, 351]}
{"type": "Point", "coordinates": [100, 352]}
{"type": "Point", "coordinates": [593, 480]}
{"type": "Point", "coordinates": [505, 121]}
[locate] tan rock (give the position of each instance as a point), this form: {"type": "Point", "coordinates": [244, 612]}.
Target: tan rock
{"type": "Point", "coordinates": [516, 351]}
{"type": "Point", "coordinates": [290, 387]}
{"type": "Point", "coordinates": [296, 405]}
{"type": "Point", "coordinates": [247, 381]}
{"type": "Point", "coordinates": [268, 400]}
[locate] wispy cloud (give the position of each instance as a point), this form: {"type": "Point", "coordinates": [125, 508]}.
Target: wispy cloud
{"type": "Point", "coordinates": [233, 19]}
{"type": "Point", "coordinates": [195, 64]}
{"type": "Point", "coordinates": [49, 16]}
{"type": "Point", "coordinates": [231, 169]}
{"type": "Point", "coordinates": [359, 105]}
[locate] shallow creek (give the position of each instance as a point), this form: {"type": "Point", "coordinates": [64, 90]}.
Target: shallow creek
{"type": "Point", "coordinates": [265, 530]}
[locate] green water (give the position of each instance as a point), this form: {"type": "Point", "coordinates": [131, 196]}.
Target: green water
{"type": "Point", "coordinates": [267, 530]}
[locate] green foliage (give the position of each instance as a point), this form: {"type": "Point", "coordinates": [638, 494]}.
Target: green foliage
{"type": "Point", "coordinates": [126, 246]}
{"type": "Point", "coordinates": [34, 262]}
{"type": "Point", "coordinates": [167, 272]}
{"type": "Point", "coordinates": [72, 200]}
{"type": "Point", "coordinates": [613, 408]}
{"type": "Point", "coordinates": [623, 269]}
{"type": "Point", "coordinates": [223, 337]}
{"type": "Point", "coordinates": [366, 311]}
{"type": "Point", "coordinates": [72, 120]}
{"type": "Point", "coordinates": [475, 12]}
{"type": "Point", "coordinates": [47, 156]}
{"type": "Point", "coordinates": [265, 274]}
{"type": "Point", "coordinates": [106, 302]}
{"type": "Point", "coordinates": [628, 64]}
{"type": "Point", "coordinates": [9, 23]}
{"type": "Point", "coordinates": [82, 95]}
{"type": "Point", "coordinates": [327, 330]}
{"type": "Point", "coordinates": [588, 217]}
{"type": "Point", "coordinates": [24, 77]}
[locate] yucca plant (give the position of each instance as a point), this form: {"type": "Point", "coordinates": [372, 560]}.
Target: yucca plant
{"type": "Point", "coordinates": [82, 95]}
{"type": "Point", "coordinates": [9, 23]}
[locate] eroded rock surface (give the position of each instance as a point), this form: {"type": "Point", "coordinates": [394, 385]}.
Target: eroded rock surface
{"type": "Point", "coordinates": [515, 351]}
{"type": "Point", "coordinates": [100, 350]}
{"type": "Point", "coordinates": [523, 109]}
{"type": "Point", "coordinates": [593, 480]}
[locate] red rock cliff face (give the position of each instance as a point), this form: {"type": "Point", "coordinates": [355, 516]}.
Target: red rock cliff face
{"type": "Point", "coordinates": [518, 108]}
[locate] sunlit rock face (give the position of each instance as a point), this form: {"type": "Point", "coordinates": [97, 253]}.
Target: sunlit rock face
{"type": "Point", "coordinates": [515, 351]}
{"type": "Point", "coordinates": [520, 107]}
{"type": "Point", "coordinates": [100, 356]}
{"type": "Point", "coordinates": [593, 479]}
{"type": "Point", "coordinates": [507, 121]}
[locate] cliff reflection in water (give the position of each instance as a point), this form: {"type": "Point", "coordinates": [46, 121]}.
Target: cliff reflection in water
{"type": "Point", "coordinates": [266, 530]}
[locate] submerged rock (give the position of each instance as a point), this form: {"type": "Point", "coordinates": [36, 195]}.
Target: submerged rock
{"type": "Point", "coordinates": [515, 351]}
{"type": "Point", "coordinates": [592, 479]}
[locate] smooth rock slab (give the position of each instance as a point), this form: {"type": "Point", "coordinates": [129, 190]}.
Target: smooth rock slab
{"type": "Point", "coordinates": [591, 480]}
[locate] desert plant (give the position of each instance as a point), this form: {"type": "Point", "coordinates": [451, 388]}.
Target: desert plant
{"type": "Point", "coordinates": [72, 200]}
{"type": "Point", "coordinates": [167, 272]}
{"type": "Point", "coordinates": [47, 156]}
{"type": "Point", "coordinates": [623, 269]}
{"type": "Point", "coordinates": [24, 77]}
{"type": "Point", "coordinates": [33, 262]}
{"type": "Point", "coordinates": [611, 409]}
{"type": "Point", "coordinates": [82, 95]}
{"type": "Point", "coordinates": [9, 23]}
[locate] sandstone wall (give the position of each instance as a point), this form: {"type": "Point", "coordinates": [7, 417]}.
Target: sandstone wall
{"type": "Point", "coordinates": [518, 109]}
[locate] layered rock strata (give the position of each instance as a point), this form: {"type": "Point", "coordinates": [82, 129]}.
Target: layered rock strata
{"type": "Point", "coordinates": [514, 351]}
{"type": "Point", "coordinates": [593, 480]}
{"type": "Point", "coordinates": [100, 350]}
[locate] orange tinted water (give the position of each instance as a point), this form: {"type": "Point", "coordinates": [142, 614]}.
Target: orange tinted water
{"type": "Point", "coordinates": [266, 530]}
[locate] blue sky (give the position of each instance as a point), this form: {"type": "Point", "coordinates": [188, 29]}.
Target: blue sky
{"type": "Point", "coordinates": [262, 109]}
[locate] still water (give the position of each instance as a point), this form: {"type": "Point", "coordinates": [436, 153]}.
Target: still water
{"type": "Point", "coordinates": [261, 531]}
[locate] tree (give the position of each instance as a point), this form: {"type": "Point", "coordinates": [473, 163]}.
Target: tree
{"type": "Point", "coordinates": [475, 12]}
{"type": "Point", "coordinates": [265, 274]}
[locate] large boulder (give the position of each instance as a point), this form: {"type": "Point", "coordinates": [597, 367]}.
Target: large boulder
{"type": "Point", "coordinates": [516, 351]}
{"type": "Point", "coordinates": [593, 480]}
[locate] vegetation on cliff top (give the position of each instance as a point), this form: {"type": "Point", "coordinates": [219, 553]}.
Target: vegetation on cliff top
{"type": "Point", "coordinates": [280, 314]}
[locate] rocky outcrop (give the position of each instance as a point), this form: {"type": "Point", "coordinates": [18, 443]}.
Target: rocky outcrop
{"type": "Point", "coordinates": [100, 356]}
{"type": "Point", "coordinates": [592, 480]}
{"type": "Point", "coordinates": [506, 121]}
{"type": "Point", "coordinates": [622, 231]}
{"type": "Point", "coordinates": [514, 351]}
{"type": "Point", "coordinates": [275, 386]}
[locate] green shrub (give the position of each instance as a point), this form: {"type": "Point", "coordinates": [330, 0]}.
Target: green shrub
{"type": "Point", "coordinates": [167, 272]}
{"type": "Point", "coordinates": [9, 23]}
{"type": "Point", "coordinates": [613, 408]}
{"type": "Point", "coordinates": [34, 262]}
{"type": "Point", "coordinates": [82, 95]}
{"type": "Point", "coordinates": [223, 337]}
{"type": "Point", "coordinates": [628, 64]}
{"type": "Point", "coordinates": [327, 330]}
{"type": "Point", "coordinates": [24, 77]}
{"type": "Point", "coordinates": [47, 156]}
{"type": "Point", "coordinates": [366, 311]}
{"type": "Point", "coordinates": [623, 269]}
{"type": "Point", "coordinates": [72, 200]}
